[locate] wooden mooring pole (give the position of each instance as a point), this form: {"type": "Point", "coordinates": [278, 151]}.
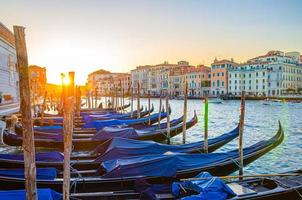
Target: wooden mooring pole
{"type": "Point", "coordinates": [206, 115]}
{"type": "Point", "coordinates": [43, 107]}
{"type": "Point", "coordinates": [131, 101]}
{"type": "Point", "coordinates": [138, 101]}
{"type": "Point", "coordinates": [160, 107]}
{"type": "Point", "coordinates": [149, 107]}
{"type": "Point", "coordinates": [68, 131]}
{"type": "Point", "coordinates": [25, 107]}
{"type": "Point", "coordinates": [96, 97]}
{"type": "Point", "coordinates": [184, 119]}
{"type": "Point", "coordinates": [241, 125]}
{"type": "Point", "coordinates": [168, 119]}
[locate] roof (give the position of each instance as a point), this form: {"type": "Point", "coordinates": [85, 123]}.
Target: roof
{"type": "Point", "coordinates": [7, 35]}
{"type": "Point", "coordinates": [100, 71]}
{"type": "Point", "coordinates": [216, 62]}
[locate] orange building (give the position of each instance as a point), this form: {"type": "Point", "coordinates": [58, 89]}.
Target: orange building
{"type": "Point", "coordinates": [219, 76]}
{"type": "Point", "coordinates": [37, 80]}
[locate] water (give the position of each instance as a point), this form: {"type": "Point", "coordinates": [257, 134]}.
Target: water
{"type": "Point", "coordinates": [261, 122]}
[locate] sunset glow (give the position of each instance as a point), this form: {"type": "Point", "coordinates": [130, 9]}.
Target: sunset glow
{"type": "Point", "coordinates": [118, 36]}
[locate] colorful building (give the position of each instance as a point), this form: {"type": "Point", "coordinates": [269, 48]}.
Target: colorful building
{"type": "Point", "coordinates": [199, 81]}
{"type": "Point", "coordinates": [37, 80]}
{"type": "Point", "coordinates": [219, 76]}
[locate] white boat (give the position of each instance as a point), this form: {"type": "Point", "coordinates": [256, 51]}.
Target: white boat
{"type": "Point", "coordinates": [215, 101]}
{"type": "Point", "coordinates": [273, 102]}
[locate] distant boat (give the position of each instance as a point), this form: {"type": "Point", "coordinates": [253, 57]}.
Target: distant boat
{"type": "Point", "coordinates": [215, 101]}
{"type": "Point", "coordinates": [273, 102]}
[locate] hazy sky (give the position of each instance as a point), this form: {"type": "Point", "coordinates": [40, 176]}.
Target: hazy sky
{"type": "Point", "coordinates": [120, 35]}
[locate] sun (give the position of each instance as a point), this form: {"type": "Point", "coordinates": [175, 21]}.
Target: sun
{"type": "Point", "coordinates": [66, 80]}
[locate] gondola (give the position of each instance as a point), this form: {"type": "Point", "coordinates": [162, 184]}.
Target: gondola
{"type": "Point", "coordinates": [83, 144]}
{"type": "Point", "coordinates": [134, 115]}
{"type": "Point", "coordinates": [120, 174]}
{"type": "Point", "coordinates": [106, 109]}
{"type": "Point", "coordinates": [99, 124]}
{"type": "Point", "coordinates": [282, 186]}
{"type": "Point", "coordinates": [116, 148]}
{"type": "Point", "coordinates": [54, 131]}
{"type": "Point", "coordinates": [90, 116]}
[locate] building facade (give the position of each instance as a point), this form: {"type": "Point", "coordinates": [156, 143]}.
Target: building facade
{"type": "Point", "coordinates": [199, 81]}
{"type": "Point", "coordinates": [37, 80]}
{"type": "Point", "coordinates": [103, 82]}
{"type": "Point", "coordinates": [219, 76]}
{"type": "Point", "coordinates": [9, 76]}
{"type": "Point", "coordinates": [273, 74]}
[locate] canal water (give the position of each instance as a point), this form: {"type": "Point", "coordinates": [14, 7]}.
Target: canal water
{"type": "Point", "coordinates": [261, 122]}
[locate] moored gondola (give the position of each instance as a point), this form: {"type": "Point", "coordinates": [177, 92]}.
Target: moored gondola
{"type": "Point", "coordinates": [120, 174]}
{"type": "Point", "coordinates": [82, 144]}
{"type": "Point", "coordinates": [262, 187]}
{"type": "Point", "coordinates": [90, 116]}
{"type": "Point", "coordinates": [116, 148]}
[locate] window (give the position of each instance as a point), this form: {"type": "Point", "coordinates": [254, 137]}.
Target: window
{"type": "Point", "coordinates": [222, 73]}
{"type": "Point", "coordinates": [250, 75]}
{"type": "Point", "coordinates": [218, 83]}
{"type": "Point", "coordinates": [222, 83]}
{"type": "Point", "coordinates": [213, 84]}
{"type": "Point", "coordinates": [256, 74]}
{"type": "Point", "coordinates": [263, 73]}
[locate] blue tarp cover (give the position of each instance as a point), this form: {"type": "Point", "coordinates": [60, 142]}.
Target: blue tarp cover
{"type": "Point", "coordinates": [110, 132]}
{"type": "Point", "coordinates": [123, 147]}
{"type": "Point", "coordinates": [168, 164]}
{"type": "Point", "coordinates": [208, 187]}
{"type": "Point", "coordinates": [42, 173]}
{"type": "Point", "coordinates": [49, 129]}
{"type": "Point", "coordinates": [99, 124]}
{"type": "Point", "coordinates": [43, 194]}
{"type": "Point", "coordinates": [53, 156]}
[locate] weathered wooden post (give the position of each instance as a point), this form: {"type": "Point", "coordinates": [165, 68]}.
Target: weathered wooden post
{"type": "Point", "coordinates": [160, 107]}
{"type": "Point", "coordinates": [206, 115]}
{"type": "Point", "coordinates": [43, 107]}
{"type": "Point", "coordinates": [138, 101]}
{"type": "Point", "coordinates": [68, 130]}
{"type": "Point", "coordinates": [149, 107]}
{"type": "Point", "coordinates": [123, 99]}
{"type": "Point", "coordinates": [78, 106]}
{"type": "Point", "coordinates": [168, 119]}
{"type": "Point", "coordinates": [184, 119]}
{"type": "Point", "coordinates": [25, 107]}
{"type": "Point", "coordinates": [96, 97]}
{"type": "Point", "coordinates": [105, 93]}
{"type": "Point", "coordinates": [131, 101]}
{"type": "Point", "coordinates": [241, 125]}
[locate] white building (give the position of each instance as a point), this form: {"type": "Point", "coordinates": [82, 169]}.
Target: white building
{"type": "Point", "coordinates": [140, 75]}
{"type": "Point", "coordinates": [9, 77]}
{"type": "Point", "coordinates": [272, 74]}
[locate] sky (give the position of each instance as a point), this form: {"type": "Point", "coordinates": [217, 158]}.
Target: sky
{"type": "Point", "coordinates": [118, 35]}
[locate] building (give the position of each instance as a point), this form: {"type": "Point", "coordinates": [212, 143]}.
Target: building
{"type": "Point", "coordinates": [273, 74]}
{"type": "Point", "coordinates": [9, 77]}
{"type": "Point", "coordinates": [37, 80]}
{"type": "Point", "coordinates": [199, 81]}
{"type": "Point", "coordinates": [300, 59]}
{"type": "Point", "coordinates": [219, 76]}
{"type": "Point", "coordinates": [104, 82]}
{"type": "Point", "coordinates": [140, 75]}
